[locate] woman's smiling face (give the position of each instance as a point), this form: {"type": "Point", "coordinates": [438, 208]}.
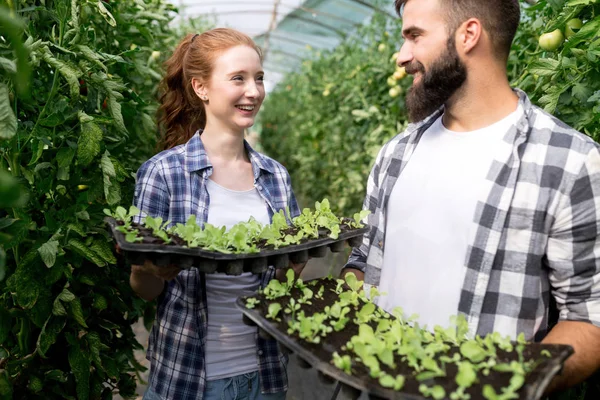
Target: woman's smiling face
{"type": "Point", "coordinates": [235, 90]}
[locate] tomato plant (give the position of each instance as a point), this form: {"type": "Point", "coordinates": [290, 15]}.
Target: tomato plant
{"type": "Point", "coordinates": [552, 40]}
{"type": "Point", "coordinates": [76, 120]}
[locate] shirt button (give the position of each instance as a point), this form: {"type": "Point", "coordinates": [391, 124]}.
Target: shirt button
{"type": "Point", "coordinates": [381, 245]}
{"type": "Point", "coordinates": [260, 352]}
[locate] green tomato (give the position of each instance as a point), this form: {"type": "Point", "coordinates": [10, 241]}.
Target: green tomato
{"type": "Point", "coordinates": [572, 27]}
{"type": "Point", "coordinates": [552, 40]}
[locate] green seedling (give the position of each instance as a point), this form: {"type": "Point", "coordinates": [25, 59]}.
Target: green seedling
{"type": "Point", "coordinates": [358, 217]}
{"type": "Point", "coordinates": [389, 381]}
{"type": "Point", "coordinates": [437, 392]}
{"type": "Point", "coordinates": [342, 362]}
{"type": "Point", "coordinates": [252, 302]}
{"type": "Point", "coordinates": [157, 227]}
{"type": "Point", "coordinates": [273, 311]}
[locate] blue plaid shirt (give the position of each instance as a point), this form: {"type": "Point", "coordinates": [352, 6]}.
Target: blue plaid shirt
{"type": "Point", "coordinates": [172, 185]}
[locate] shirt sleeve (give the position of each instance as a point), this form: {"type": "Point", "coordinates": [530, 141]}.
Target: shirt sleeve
{"type": "Point", "coordinates": [292, 202]}
{"type": "Point", "coordinates": [574, 246]}
{"type": "Point", "coordinates": [358, 256]}
{"type": "Point", "coordinates": [151, 195]}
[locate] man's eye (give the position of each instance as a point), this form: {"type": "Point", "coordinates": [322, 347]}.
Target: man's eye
{"type": "Point", "coordinates": [260, 78]}
{"type": "Point", "coordinates": [237, 78]}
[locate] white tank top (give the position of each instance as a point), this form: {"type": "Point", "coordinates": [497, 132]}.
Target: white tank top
{"type": "Point", "coordinates": [230, 344]}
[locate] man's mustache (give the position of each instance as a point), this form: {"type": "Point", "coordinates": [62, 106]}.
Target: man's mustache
{"type": "Point", "coordinates": [414, 67]}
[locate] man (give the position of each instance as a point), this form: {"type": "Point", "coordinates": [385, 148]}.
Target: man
{"type": "Point", "coordinates": [486, 205]}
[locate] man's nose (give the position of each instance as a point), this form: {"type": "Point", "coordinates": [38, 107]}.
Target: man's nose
{"type": "Point", "coordinates": [405, 55]}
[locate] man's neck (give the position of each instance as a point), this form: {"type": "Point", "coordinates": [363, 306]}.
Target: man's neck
{"type": "Point", "coordinates": [479, 103]}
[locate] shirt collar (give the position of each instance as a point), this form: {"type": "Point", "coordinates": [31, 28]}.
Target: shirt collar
{"type": "Point", "coordinates": [522, 123]}
{"type": "Point", "coordinates": [196, 158]}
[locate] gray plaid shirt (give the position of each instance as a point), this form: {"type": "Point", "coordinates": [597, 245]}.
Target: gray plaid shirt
{"type": "Point", "coordinates": [537, 226]}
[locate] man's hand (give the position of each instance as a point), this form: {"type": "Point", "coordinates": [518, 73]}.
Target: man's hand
{"type": "Point", "coordinates": [280, 273]}
{"type": "Point", "coordinates": [585, 339]}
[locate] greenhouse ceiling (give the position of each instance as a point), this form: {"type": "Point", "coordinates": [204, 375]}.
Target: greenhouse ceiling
{"type": "Point", "coordinates": [288, 30]}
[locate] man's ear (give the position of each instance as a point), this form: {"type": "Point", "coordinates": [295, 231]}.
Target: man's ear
{"type": "Point", "coordinates": [200, 89]}
{"type": "Point", "coordinates": [468, 35]}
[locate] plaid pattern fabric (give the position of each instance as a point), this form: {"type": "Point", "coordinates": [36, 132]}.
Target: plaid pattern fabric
{"type": "Point", "coordinates": [172, 185]}
{"type": "Point", "coordinates": [537, 226]}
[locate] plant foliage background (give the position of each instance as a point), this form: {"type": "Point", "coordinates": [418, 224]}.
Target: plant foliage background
{"type": "Point", "coordinates": [327, 122]}
{"type": "Point", "coordinates": [78, 81]}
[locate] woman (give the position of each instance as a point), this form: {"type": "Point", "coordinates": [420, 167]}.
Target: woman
{"type": "Point", "coordinates": [199, 347]}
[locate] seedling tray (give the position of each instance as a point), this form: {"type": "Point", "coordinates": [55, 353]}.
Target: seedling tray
{"type": "Point", "coordinates": [319, 356]}
{"type": "Point", "coordinates": [232, 264]}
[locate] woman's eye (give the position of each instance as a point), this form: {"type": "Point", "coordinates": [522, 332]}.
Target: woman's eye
{"type": "Point", "coordinates": [260, 78]}
{"type": "Point", "coordinates": [237, 78]}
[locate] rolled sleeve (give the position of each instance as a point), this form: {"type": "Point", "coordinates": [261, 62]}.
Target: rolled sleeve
{"type": "Point", "coordinates": [574, 247]}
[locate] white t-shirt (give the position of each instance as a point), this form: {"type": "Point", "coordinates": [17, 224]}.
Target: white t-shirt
{"type": "Point", "coordinates": [429, 220]}
{"type": "Point", "coordinates": [230, 344]}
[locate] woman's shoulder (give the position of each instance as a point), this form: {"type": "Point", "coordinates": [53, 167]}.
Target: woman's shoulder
{"type": "Point", "coordinates": [271, 164]}
{"type": "Point", "coordinates": [170, 158]}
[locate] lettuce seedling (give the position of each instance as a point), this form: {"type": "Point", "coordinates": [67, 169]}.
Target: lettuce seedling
{"type": "Point", "coordinates": [365, 314]}
{"type": "Point", "coordinates": [466, 376]}
{"type": "Point", "coordinates": [157, 227]}
{"type": "Point", "coordinates": [343, 362]}
{"type": "Point", "coordinates": [472, 351]}
{"type": "Point", "coordinates": [353, 283]}
{"type": "Point", "coordinates": [437, 391]}
{"type": "Point", "coordinates": [252, 302]}
{"type": "Point", "coordinates": [389, 381]}
{"type": "Point", "coordinates": [358, 217]}
{"type": "Point", "coordinates": [273, 311]}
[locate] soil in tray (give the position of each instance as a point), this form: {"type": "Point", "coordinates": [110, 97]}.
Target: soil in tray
{"type": "Point", "coordinates": [335, 341]}
{"type": "Point", "coordinates": [149, 238]}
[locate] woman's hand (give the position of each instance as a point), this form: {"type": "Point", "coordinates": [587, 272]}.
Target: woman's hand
{"type": "Point", "coordinates": [148, 280]}
{"type": "Point", "coordinates": [165, 273]}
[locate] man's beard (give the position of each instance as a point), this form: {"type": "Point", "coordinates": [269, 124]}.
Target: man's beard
{"type": "Point", "coordinates": [443, 78]}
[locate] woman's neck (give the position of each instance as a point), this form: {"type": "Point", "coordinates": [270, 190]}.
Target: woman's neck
{"type": "Point", "coordinates": [227, 146]}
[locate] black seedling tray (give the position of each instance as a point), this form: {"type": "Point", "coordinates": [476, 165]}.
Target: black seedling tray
{"type": "Point", "coordinates": [319, 356]}
{"type": "Point", "coordinates": [232, 264]}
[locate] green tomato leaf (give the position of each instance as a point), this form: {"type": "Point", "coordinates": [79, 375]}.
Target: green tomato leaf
{"type": "Point", "coordinates": [8, 120]}
{"type": "Point", "coordinates": [48, 252]}
{"type": "Point", "coordinates": [88, 145]}
{"type": "Point", "coordinates": [53, 326]}
{"type": "Point", "coordinates": [77, 312]}
{"type": "Point", "coordinates": [80, 365]}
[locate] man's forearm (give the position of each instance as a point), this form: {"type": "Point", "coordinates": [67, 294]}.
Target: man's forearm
{"type": "Point", "coordinates": [585, 339]}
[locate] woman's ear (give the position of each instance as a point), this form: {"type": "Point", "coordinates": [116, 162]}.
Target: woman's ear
{"type": "Point", "coordinates": [199, 89]}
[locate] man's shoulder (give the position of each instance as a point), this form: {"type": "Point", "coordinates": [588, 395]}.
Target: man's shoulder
{"type": "Point", "coordinates": [557, 135]}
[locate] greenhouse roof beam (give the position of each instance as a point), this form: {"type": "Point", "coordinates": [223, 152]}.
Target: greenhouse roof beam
{"type": "Point", "coordinates": [373, 7]}
{"type": "Point", "coordinates": [338, 31]}
{"type": "Point", "coordinates": [302, 8]}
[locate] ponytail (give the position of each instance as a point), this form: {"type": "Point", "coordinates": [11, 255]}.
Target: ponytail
{"type": "Point", "coordinates": [181, 112]}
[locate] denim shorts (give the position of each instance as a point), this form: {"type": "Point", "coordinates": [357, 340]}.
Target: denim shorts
{"type": "Point", "coordinates": [240, 387]}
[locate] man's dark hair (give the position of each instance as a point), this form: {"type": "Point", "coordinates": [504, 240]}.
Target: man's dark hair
{"type": "Point", "coordinates": [500, 18]}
